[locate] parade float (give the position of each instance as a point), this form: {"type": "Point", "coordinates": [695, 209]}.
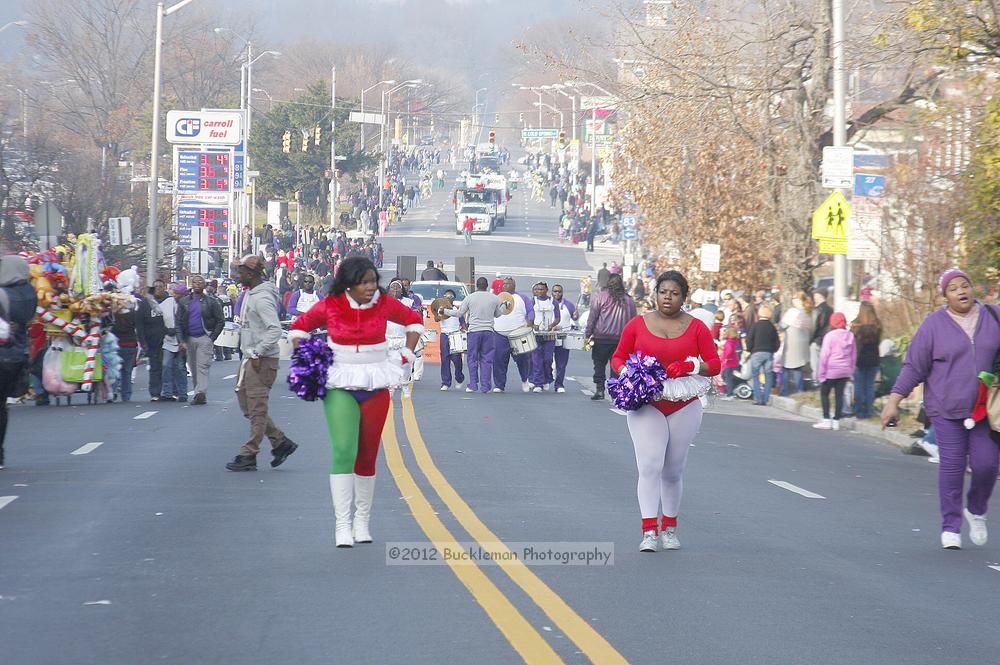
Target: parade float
{"type": "Point", "coordinates": [78, 294]}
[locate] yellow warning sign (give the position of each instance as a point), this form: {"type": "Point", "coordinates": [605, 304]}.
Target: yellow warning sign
{"type": "Point", "coordinates": [830, 220]}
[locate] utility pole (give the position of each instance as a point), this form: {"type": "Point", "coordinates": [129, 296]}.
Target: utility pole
{"type": "Point", "coordinates": [333, 147]}
{"type": "Point", "coordinates": [839, 136]}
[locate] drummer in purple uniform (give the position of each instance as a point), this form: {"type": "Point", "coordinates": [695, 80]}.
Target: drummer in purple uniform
{"type": "Point", "coordinates": [520, 317]}
{"type": "Point", "coordinates": [545, 319]}
{"type": "Point", "coordinates": [567, 319]}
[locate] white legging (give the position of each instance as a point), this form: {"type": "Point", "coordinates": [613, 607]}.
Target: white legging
{"type": "Point", "coordinates": [661, 449]}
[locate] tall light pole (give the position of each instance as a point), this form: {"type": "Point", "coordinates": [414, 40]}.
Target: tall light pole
{"type": "Point", "coordinates": [19, 24]}
{"type": "Point", "coordinates": [333, 146]}
{"type": "Point", "coordinates": [383, 163]}
{"type": "Point", "coordinates": [593, 139]}
{"type": "Point", "coordinates": [554, 110]}
{"type": "Point", "coordinates": [270, 99]}
{"type": "Point", "coordinates": [24, 110]}
{"type": "Point", "coordinates": [839, 136]}
{"type": "Point", "coordinates": [558, 87]}
{"type": "Point", "coordinates": [363, 91]}
{"type": "Point", "coordinates": [153, 225]}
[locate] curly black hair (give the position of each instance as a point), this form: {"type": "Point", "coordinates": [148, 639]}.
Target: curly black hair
{"type": "Point", "coordinates": [675, 277]}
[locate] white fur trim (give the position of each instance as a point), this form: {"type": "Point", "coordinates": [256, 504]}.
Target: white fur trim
{"type": "Point", "coordinates": [684, 388]}
{"type": "Point", "coordinates": [415, 327]}
{"type": "Point", "coordinates": [298, 334]}
{"type": "Point", "coordinates": [368, 305]}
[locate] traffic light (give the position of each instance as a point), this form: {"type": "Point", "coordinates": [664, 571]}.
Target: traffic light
{"type": "Point", "coordinates": [318, 135]}
{"type": "Point", "coordinates": [305, 141]}
{"type": "Point", "coordinates": [286, 141]}
{"type": "Point", "coordinates": [496, 119]}
{"type": "Point", "coordinates": [562, 139]}
{"type": "Point", "coordinates": [493, 136]}
{"type": "Point", "coordinates": [520, 118]}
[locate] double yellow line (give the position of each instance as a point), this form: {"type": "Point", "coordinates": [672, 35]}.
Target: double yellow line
{"type": "Point", "coordinates": [524, 638]}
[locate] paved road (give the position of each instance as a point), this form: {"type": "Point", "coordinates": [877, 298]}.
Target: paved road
{"type": "Point", "coordinates": [144, 549]}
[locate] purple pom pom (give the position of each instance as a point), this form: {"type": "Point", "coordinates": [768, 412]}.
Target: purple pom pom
{"type": "Point", "coordinates": [310, 362]}
{"type": "Point", "coordinates": [640, 382]}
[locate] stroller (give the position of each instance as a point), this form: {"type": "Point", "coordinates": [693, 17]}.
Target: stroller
{"type": "Point", "coordinates": [741, 381]}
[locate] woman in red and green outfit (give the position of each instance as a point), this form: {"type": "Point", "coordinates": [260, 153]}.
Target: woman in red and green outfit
{"type": "Point", "coordinates": [355, 313]}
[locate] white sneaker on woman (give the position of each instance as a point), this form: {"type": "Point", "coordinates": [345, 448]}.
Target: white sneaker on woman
{"type": "Point", "coordinates": [977, 527]}
{"type": "Point", "coordinates": [648, 543]}
{"type": "Point", "coordinates": [951, 540]}
{"type": "Point", "coordinates": [826, 423]}
{"type": "Point", "coordinates": [669, 540]}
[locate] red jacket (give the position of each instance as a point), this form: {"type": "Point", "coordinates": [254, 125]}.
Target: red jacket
{"type": "Point", "coordinates": [347, 323]}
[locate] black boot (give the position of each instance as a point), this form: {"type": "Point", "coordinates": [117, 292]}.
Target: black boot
{"type": "Point", "coordinates": [282, 452]}
{"type": "Point", "coordinates": [598, 395]}
{"type": "Point", "coordinates": [243, 463]}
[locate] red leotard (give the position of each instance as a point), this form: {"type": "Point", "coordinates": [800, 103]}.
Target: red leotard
{"type": "Point", "coordinates": [695, 341]}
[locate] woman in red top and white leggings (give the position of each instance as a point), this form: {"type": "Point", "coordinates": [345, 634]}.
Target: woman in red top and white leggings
{"type": "Point", "coordinates": [663, 431]}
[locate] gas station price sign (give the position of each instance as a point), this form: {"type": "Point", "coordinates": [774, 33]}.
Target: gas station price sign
{"type": "Point", "coordinates": [214, 218]}
{"type": "Point", "coordinates": [200, 171]}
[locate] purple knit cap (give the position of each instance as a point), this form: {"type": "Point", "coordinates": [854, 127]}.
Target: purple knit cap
{"type": "Point", "coordinates": [947, 276]}
{"type": "Point", "coordinates": [181, 289]}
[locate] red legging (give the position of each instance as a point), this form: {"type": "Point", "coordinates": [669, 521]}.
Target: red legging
{"type": "Point", "coordinates": [355, 420]}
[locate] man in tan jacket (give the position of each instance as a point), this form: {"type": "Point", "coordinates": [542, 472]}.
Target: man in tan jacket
{"type": "Point", "coordinates": [259, 338]}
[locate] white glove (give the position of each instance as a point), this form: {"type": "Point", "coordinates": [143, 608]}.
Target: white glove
{"type": "Point", "coordinates": [410, 356]}
{"type": "Point", "coordinates": [4, 330]}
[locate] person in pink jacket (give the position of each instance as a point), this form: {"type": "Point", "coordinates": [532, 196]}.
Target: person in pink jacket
{"type": "Point", "coordinates": [837, 358]}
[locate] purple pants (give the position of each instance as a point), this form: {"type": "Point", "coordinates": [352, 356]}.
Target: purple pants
{"type": "Point", "coordinates": [541, 362]}
{"type": "Point", "coordinates": [480, 360]}
{"type": "Point", "coordinates": [501, 359]}
{"type": "Point", "coordinates": [956, 445]}
{"type": "Point", "coordinates": [562, 359]}
{"type": "Point", "coordinates": [448, 360]}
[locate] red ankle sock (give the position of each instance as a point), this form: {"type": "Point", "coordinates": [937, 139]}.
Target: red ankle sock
{"type": "Point", "coordinates": [668, 522]}
{"type": "Point", "coordinates": [648, 524]}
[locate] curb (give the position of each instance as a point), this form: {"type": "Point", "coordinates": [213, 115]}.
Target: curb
{"type": "Point", "coordinates": [906, 444]}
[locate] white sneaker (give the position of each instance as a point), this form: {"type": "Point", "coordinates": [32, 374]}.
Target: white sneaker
{"type": "Point", "coordinates": [525, 386]}
{"type": "Point", "coordinates": [469, 390]}
{"type": "Point", "coordinates": [648, 543]}
{"type": "Point", "coordinates": [407, 391]}
{"type": "Point", "coordinates": [560, 390]}
{"type": "Point", "coordinates": [444, 388]}
{"type": "Point", "coordinates": [835, 425]}
{"type": "Point", "coordinates": [932, 450]}
{"type": "Point", "coordinates": [826, 423]}
{"type": "Point", "coordinates": [951, 541]}
{"type": "Point", "coordinates": [497, 390]}
{"type": "Point", "coordinates": [977, 527]}
{"type": "Point", "coordinates": [668, 539]}
{"type": "Point", "coordinates": [536, 389]}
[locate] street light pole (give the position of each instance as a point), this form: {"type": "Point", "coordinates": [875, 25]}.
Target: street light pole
{"type": "Point", "coordinates": [333, 146]}
{"type": "Point", "coordinates": [363, 91]}
{"type": "Point", "coordinates": [839, 136]}
{"type": "Point", "coordinates": [152, 225]}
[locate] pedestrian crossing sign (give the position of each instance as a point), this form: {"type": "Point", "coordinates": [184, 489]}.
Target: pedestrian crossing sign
{"type": "Point", "coordinates": [830, 220]}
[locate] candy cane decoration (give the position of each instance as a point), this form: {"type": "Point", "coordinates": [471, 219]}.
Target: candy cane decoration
{"type": "Point", "coordinates": [67, 327]}
{"type": "Point", "coordinates": [93, 341]}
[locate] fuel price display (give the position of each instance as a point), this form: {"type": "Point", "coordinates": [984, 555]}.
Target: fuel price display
{"type": "Point", "coordinates": [200, 171]}
{"type": "Point", "coordinates": [214, 218]}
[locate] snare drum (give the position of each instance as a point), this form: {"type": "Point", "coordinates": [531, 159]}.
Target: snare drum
{"type": "Point", "coordinates": [284, 347]}
{"type": "Point", "coordinates": [573, 340]}
{"type": "Point", "coordinates": [522, 340]}
{"type": "Point", "coordinates": [229, 337]}
{"type": "Point", "coordinates": [458, 342]}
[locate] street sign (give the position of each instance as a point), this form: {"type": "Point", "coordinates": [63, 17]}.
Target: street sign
{"type": "Point", "coordinates": [120, 230]}
{"type": "Point", "coordinates": [838, 167]}
{"type": "Point", "coordinates": [630, 234]}
{"type": "Point", "coordinates": [540, 133]}
{"type": "Point", "coordinates": [366, 118]}
{"type": "Point", "coordinates": [206, 127]}
{"type": "Point", "coordinates": [199, 171]}
{"type": "Point", "coordinates": [48, 223]}
{"type": "Point", "coordinates": [711, 255]}
{"type": "Point", "coordinates": [629, 221]}
{"type": "Point", "coordinates": [864, 237]}
{"type": "Point", "coordinates": [213, 219]}
{"type": "Point", "coordinates": [830, 220]}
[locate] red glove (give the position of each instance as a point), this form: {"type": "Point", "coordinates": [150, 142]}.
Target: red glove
{"type": "Point", "coordinates": [679, 368]}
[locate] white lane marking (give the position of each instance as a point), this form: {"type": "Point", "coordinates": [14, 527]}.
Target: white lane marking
{"type": "Point", "coordinates": [5, 500]}
{"type": "Point", "coordinates": [87, 447]}
{"type": "Point", "coordinates": [996, 568]}
{"type": "Point", "coordinates": [98, 602]}
{"type": "Point", "coordinates": [795, 488]}
{"type": "Point", "coordinates": [145, 414]}
{"type": "Point", "coordinates": [229, 376]}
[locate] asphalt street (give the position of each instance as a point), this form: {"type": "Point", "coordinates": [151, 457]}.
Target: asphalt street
{"type": "Point", "coordinates": [144, 549]}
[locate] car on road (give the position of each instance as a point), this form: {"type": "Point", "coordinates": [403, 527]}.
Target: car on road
{"type": "Point", "coordinates": [483, 218]}
{"type": "Point", "coordinates": [428, 290]}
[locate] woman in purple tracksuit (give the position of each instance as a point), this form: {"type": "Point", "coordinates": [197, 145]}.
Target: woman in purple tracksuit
{"type": "Point", "coordinates": [948, 351]}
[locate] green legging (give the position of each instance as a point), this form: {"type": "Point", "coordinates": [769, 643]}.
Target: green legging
{"type": "Point", "coordinates": [355, 420]}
